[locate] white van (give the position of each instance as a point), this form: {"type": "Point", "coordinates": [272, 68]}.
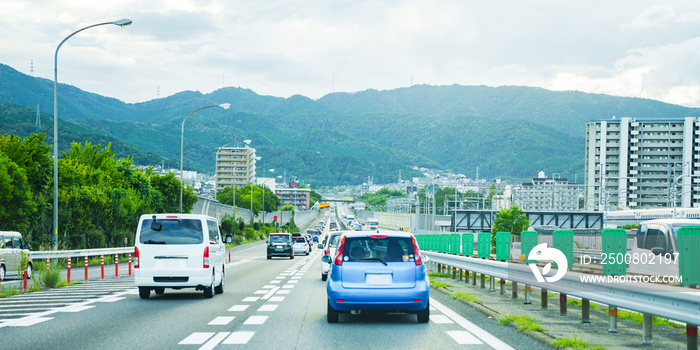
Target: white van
{"type": "Point", "coordinates": [656, 246]}
{"type": "Point", "coordinates": [373, 224]}
{"type": "Point", "coordinates": [11, 247]}
{"type": "Point", "coordinates": [179, 251]}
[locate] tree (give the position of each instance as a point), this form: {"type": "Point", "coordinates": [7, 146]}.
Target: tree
{"type": "Point", "coordinates": [16, 203]}
{"type": "Point", "coordinates": [511, 220]}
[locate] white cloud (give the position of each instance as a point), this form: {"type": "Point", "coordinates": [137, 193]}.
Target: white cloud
{"type": "Point", "coordinates": [312, 47]}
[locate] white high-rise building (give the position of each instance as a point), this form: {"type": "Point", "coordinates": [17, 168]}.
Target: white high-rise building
{"type": "Point", "coordinates": [235, 166]}
{"type": "Point", "coordinates": [645, 163]}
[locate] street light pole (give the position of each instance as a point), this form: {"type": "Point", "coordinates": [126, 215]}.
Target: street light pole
{"type": "Point", "coordinates": [182, 143]}
{"type": "Point", "coordinates": [122, 23]}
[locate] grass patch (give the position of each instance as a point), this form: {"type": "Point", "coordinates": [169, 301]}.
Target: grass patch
{"type": "Point", "coordinates": [574, 343]}
{"type": "Point", "coordinates": [437, 284]}
{"type": "Point", "coordinates": [465, 297]}
{"type": "Point", "coordinates": [639, 319]}
{"type": "Point", "coordinates": [440, 274]}
{"type": "Point", "coordinates": [523, 323]}
{"type": "Point", "coordinates": [8, 292]}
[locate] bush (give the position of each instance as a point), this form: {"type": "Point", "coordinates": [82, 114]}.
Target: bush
{"type": "Point", "coordinates": [256, 226]}
{"type": "Point", "coordinates": [249, 233]}
{"type": "Point", "coordinates": [51, 278]}
{"type": "Point", "coordinates": [237, 240]}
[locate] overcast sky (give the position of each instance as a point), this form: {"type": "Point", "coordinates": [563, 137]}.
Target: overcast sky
{"type": "Point", "coordinates": [639, 48]}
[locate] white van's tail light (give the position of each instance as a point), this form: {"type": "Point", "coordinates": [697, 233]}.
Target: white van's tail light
{"type": "Point", "coordinates": [339, 255]}
{"type": "Point", "coordinates": [206, 258]}
{"type": "Point", "coordinates": [416, 251]}
{"type": "Point", "coordinates": [136, 257]}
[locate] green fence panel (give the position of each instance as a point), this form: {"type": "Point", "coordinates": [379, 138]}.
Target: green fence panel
{"type": "Point", "coordinates": [454, 243]}
{"type": "Point", "coordinates": [564, 241]}
{"type": "Point", "coordinates": [615, 244]}
{"type": "Point", "coordinates": [467, 244]}
{"type": "Point", "coordinates": [444, 243]}
{"type": "Point", "coordinates": [483, 245]}
{"type": "Point", "coordinates": [689, 255]}
{"type": "Point", "coordinates": [528, 240]}
{"type": "Point", "coordinates": [502, 245]}
{"type": "Point", "coordinates": [431, 243]}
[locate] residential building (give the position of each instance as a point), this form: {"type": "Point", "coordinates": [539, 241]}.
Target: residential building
{"type": "Point", "coordinates": [297, 197]}
{"type": "Point", "coordinates": [546, 193]}
{"type": "Point", "coordinates": [646, 163]}
{"type": "Point", "coordinates": [235, 165]}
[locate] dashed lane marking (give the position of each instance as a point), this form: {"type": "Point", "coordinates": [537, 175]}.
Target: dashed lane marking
{"type": "Point", "coordinates": [483, 335]}
{"type": "Point", "coordinates": [238, 308]}
{"type": "Point", "coordinates": [256, 320]}
{"type": "Point", "coordinates": [221, 321]}
{"type": "Point", "coordinates": [239, 338]}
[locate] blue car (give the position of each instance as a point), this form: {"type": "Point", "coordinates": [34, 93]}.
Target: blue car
{"type": "Point", "coordinates": [380, 271]}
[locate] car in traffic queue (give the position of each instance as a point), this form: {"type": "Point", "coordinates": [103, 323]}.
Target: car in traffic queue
{"type": "Point", "coordinates": [330, 247]}
{"type": "Point", "coordinates": [12, 246]}
{"type": "Point", "coordinates": [300, 244]}
{"type": "Point", "coordinates": [377, 271]}
{"type": "Point", "coordinates": [280, 244]}
{"type": "Point", "coordinates": [179, 251]}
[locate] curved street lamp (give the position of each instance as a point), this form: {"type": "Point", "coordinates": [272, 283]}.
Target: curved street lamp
{"type": "Point", "coordinates": [122, 23]}
{"type": "Point", "coordinates": [182, 142]}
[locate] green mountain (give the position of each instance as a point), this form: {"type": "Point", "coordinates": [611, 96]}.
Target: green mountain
{"type": "Point", "coordinates": [509, 132]}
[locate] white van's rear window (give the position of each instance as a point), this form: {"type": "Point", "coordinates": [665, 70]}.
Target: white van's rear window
{"type": "Point", "coordinates": [172, 231]}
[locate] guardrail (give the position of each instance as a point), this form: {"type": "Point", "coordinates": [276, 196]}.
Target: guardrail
{"type": "Point", "coordinates": [36, 255]}
{"type": "Point", "coordinates": [675, 303]}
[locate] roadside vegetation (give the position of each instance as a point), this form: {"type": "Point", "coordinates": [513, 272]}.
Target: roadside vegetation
{"type": "Point", "coordinates": [523, 323]}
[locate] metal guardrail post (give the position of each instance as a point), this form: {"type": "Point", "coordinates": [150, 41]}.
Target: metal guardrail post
{"type": "Point", "coordinates": [612, 318]}
{"type": "Point", "coordinates": [562, 304]}
{"type": "Point", "coordinates": [691, 334]}
{"type": "Point", "coordinates": [585, 311]}
{"type": "Point", "coordinates": [492, 284]}
{"type": "Point", "coordinates": [503, 286]}
{"type": "Point", "coordinates": [545, 298]}
{"type": "Point", "coordinates": [483, 281]}
{"type": "Point", "coordinates": [528, 294]}
{"type": "Point", "coordinates": [647, 323]}
{"type": "Point", "coordinates": [514, 285]}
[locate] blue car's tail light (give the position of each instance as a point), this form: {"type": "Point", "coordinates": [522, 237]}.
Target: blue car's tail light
{"type": "Point", "coordinates": [339, 256]}
{"type": "Point", "coordinates": [416, 252]}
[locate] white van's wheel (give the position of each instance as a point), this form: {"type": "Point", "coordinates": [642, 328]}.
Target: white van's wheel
{"type": "Point", "coordinates": [2, 272]}
{"type": "Point", "coordinates": [144, 292]}
{"type": "Point", "coordinates": [220, 288]}
{"type": "Point", "coordinates": [209, 291]}
{"type": "Point", "coordinates": [29, 271]}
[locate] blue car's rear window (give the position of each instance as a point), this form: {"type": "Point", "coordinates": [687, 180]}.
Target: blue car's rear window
{"type": "Point", "coordinates": [387, 249]}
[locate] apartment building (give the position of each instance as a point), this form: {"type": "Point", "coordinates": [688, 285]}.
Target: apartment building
{"type": "Point", "coordinates": [297, 197]}
{"type": "Point", "coordinates": [642, 163]}
{"type": "Point", "coordinates": [546, 193]}
{"type": "Point", "coordinates": [235, 165]}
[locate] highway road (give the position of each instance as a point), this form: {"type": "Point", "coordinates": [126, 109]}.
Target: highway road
{"type": "Point", "coordinates": [279, 303]}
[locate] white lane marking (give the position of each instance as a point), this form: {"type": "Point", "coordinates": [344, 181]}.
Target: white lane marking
{"type": "Point", "coordinates": [440, 319]}
{"type": "Point", "coordinates": [110, 300]}
{"type": "Point", "coordinates": [251, 299]}
{"type": "Point", "coordinates": [276, 281]}
{"type": "Point", "coordinates": [288, 286]}
{"type": "Point", "coordinates": [238, 308]}
{"type": "Point", "coordinates": [270, 293]}
{"type": "Point", "coordinates": [292, 281]}
{"type": "Point", "coordinates": [463, 337]}
{"type": "Point", "coordinates": [283, 291]}
{"type": "Point", "coordinates": [78, 308]}
{"type": "Point", "coordinates": [213, 342]}
{"type": "Point", "coordinates": [256, 320]}
{"type": "Point", "coordinates": [221, 321]}
{"type": "Point", "coordinates": [239, 338]}
{"type": "Point", "coordinates": [197, 338]}
{"type": "Point", "coordinates": [296, 277]}
{"type": "Point", "coordinates": [276, 299]}
{"type": "Point", "coordinates": [268, 307]}
{"type": "Point", "coordinates": [485, 336]}
{"type": "Point", "coordinates": [268, 286]}
{"type": "Point", "coordinates": [261, 291]}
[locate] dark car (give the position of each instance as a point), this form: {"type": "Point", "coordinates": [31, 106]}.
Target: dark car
{"type": "Point", "coordinates": [280, 244]}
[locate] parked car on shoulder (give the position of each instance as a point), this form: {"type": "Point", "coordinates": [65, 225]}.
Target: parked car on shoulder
{"type": "Point", "coordinates": [11, 248]}
{"type": "Point", "coordinates": [280, 244]}
{"type": "Point", "coordinates": [377, 271]}
{"type": "Point", "coordinates": [179, 251]}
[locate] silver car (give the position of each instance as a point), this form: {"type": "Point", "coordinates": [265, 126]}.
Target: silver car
{"type": "Point", "coordinates": [11, 247]}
